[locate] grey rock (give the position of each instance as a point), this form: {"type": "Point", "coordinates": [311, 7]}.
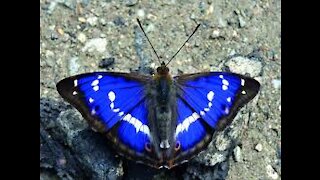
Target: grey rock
{"type": "Point", "coordinates": [70, 148]}
{"type": "Point", "coordinates": [95, 45]}
{"type": "Point", "coordinates": [271, 172]}
{"type": "Point", "coordinates": [70, 124]}
{"type": "Point", "coordinates": [222, 143]}
{"type": "Point", "coordinates": [243, 65]}
{"type": "Point", "coordinates": [242, 22]}
{"type": "Point", "coordinates": [213, 159]}
{"type": "Point", "coordinates": [217, 172]}
{"type": "Point", "coordinates": [237, 154]}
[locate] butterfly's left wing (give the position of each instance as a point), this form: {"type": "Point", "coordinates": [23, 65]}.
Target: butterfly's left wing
{"type": "Point", "coordinates": [113, 104]}
{"type": "Point", "coordinates": [208, 102]}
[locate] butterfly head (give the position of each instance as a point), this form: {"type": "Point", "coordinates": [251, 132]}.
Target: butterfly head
{"type": "Point", "coordinates": [163, 70]}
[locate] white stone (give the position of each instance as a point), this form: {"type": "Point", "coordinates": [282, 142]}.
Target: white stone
{"type": "Point", "coordinates": [258, 147]}
{"type": "Point", "coordinates": [95, 45]}
{"type": "Point", "coordinates": [82, 37]}
{"type": "Point", "coordinates": [243, 65]}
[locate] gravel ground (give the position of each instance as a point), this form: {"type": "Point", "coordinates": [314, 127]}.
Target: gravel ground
{"type": "Point", "coordinates": [88, 35]}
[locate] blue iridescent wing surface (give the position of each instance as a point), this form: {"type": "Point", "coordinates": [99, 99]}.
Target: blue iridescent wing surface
{"type": "Point", "coordinates": [208, 102]}
{"type": "Point", "coordinates": [112, 103]}
{"type": "Point", "coordinates": [191, 128]}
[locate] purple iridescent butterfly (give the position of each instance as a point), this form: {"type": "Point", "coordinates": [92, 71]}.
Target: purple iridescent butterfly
{"type": "Point", "coordinates": [158, 120]}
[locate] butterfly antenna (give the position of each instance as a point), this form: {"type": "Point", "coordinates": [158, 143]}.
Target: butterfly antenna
{"type": "Point", "coordinates": [148, 40]}
{"type": "Point", "coordinates": [183, 44]}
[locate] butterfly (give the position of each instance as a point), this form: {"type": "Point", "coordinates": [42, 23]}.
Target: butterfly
{"type": "Point", "coordinates": [159, 120]}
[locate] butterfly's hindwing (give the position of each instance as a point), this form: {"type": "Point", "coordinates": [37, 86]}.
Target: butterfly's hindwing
{"type": "Point", "coordinates": [133, 130]}
{"type": "Point", "coordinates": [192, 134]}
{"type": "Point", "coordinates": [191, 128]}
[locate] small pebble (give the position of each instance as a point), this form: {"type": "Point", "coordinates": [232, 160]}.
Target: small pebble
{"type": "Point", "coordinates": [215, 34]}
{"type": "Point", "coordinates": [237, 154]}
{"type": "Point", "coordinates": [210, 9]}
{"type": "Point", "coordinates": [258, 147]}
{"type": "Point", "coordinates": [103, 22]}
{"type": "Point", "coordinates": [131, 2]}
{"type": "Point", "coordinates": [82, 20]}
{"type": "Point", "coordinates": [119, 21]}
{"type": "Point", "coordinates": [82, 37]}
{"type": "Point", "coordinates": [106, 62]}
{"type": "Point", "coordinates": [140, 13]}
{"type": "Point", "coordinates": [93, 21]}
{"type": "Point", "coordinates": [54, 36]}
{"type": "Point", "coordinates": [60, 31]}
{"type": "Point", "coordinates": [242, 22]}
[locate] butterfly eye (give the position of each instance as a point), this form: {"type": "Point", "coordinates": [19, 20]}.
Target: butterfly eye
{"type": "Point", "coordinates": [147, 146]}
{"type": "Point", "coordinates": [167, 69]}
{"type": "Point", "coordinates": [178, 145]}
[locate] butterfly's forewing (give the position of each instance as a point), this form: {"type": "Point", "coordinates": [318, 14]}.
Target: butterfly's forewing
{"type": "Point", "coordinates": [114, 104]}
{"type": "Point", "coordinates": [208, 102]}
